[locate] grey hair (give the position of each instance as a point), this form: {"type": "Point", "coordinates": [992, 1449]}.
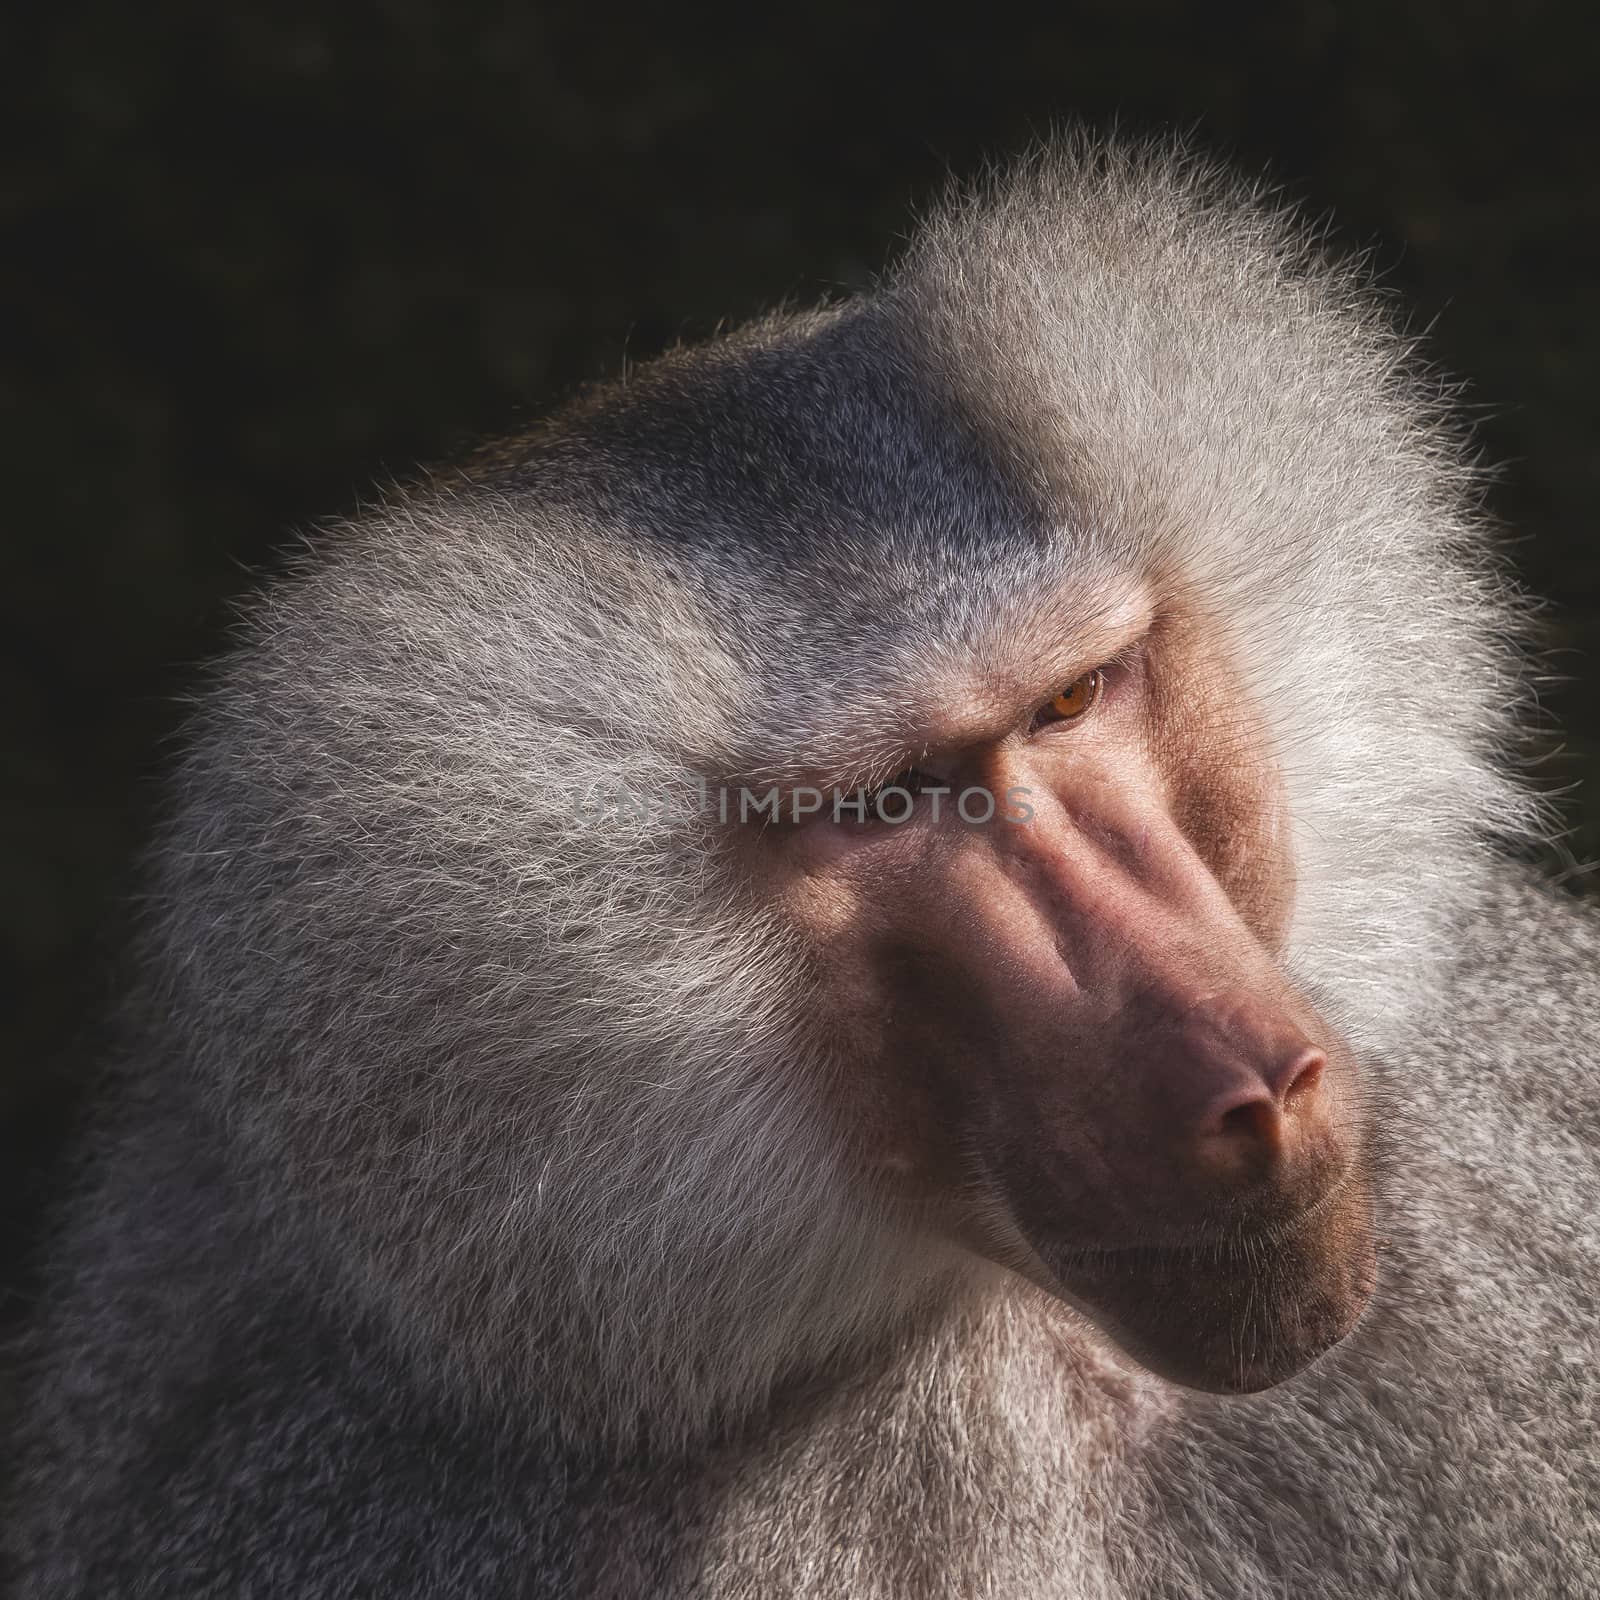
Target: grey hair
{"type": "Point", "coordinates": [553, 1095]}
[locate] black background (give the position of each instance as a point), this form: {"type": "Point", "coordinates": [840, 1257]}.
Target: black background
{"type": "Point", "coordinates": [254, 260]}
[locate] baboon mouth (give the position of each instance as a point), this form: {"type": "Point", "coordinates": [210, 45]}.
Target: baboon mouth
{"type": "Point", "coordinates": [1221, 1241]}
{"type": "Point", "coordinates": [1240, 1312]}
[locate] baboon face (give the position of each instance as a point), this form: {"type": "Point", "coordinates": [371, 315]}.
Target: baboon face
{"type": "Point", "coordinates": [1067, 1038]}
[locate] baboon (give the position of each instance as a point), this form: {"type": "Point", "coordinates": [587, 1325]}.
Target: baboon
{"type": "Point", "coordinates": [895, 958]}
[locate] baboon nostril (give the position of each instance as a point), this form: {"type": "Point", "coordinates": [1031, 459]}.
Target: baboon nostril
{"type": "Point", "coordinates": [1257, 1115]}
{"type": "Point", "coordinates": [1300, 1077]}
{"type": "Point", "coordinates": [1257, 1120]}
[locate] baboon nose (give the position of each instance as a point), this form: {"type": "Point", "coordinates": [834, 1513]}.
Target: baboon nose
{"type": "Point", "coordinates": [1256, 1118]}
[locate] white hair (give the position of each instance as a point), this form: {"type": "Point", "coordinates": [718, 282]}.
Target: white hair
{"type": "Point", "coordinates": [548, 1090]}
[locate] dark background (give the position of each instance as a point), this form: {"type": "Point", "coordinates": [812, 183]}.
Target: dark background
{"type": "Point", "coordinates": [253, 261]}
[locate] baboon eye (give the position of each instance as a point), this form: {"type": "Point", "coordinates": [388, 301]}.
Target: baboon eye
{"type": "Point", "coordinates": [1077, 698]}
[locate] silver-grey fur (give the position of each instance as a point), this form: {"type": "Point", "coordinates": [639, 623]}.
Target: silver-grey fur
{"type": "Point", "coordinates": [462, 1219]}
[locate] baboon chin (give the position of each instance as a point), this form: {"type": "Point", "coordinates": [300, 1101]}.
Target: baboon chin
{"type": "Point", "coordinates": [1239, 1314]}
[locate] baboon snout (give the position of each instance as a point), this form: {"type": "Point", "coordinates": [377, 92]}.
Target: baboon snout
{"type": "Point", "coordinates": [1259, 1105]}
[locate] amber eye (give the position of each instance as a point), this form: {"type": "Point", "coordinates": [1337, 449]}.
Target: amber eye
{"type": "Point", "coordinates": [1074, 700]}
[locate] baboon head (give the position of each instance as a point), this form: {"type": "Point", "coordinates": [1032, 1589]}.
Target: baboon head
{"type": "Point", "coordinates": [954, 790]}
